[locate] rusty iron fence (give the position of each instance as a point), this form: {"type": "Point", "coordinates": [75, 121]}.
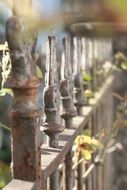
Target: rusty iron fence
{"type": "Point", "coordinates": [67, 112]}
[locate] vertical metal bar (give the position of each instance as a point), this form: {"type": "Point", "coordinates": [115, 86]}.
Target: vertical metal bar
{"type": "Point", "coordinates": [44, 185]}
{"type": "Point", "coordinates": [103, 53]}
{"type": "Point", "coordinates": [53, 122]}
{"type": "Point", "coordinates": [107, 123]}
{"type": "Point", "coordinates": [94, 66]}
{"type": "Point", "coordinates": [69, 176]}
{"type": "Point", "coordinates": [54, 180]}
{"type": "Point", "coordinates": [107, 109]}
{"type": "Point", "coordinates": [25, 110]}
{"type": "Point", "coordinates": [109, 119]}
{"type": "Point", "coordinates": [78, 80]}
{"type": "Point", "coordinates": [80, 176]}
{"type": "Point", "coordinates": [100, 168]}
{"type": "Point", "coordinates": [96, 85]}
{"type": "Point", "coordinates": [103, 123]}
{"type": "Point", "coordinates": [89, 60]}
{"type": "Point", "coordinates": [68, 106]}
{"type": "Point", "coordinates": [85, 62]}
{"type": "Point", "coordinates": [79, 96]}
{"type": "Point", "coordinates": [94, 132]}
{"type": "Point", "coordinates": [90, 177]}
{"type": "Point", "coordinates": [102, 126]}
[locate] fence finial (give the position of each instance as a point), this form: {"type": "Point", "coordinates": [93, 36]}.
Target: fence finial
{"type": "Point", "coordinates": [65, 83]}
{"type": "Point", "coordinates": [53, 122]}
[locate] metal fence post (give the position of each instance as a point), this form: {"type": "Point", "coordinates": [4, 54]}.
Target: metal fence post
{"type": "Point", "coordinates": [79, 96]}
{"type": "Point", "coordinates": [53, 122]}
{"type": "Point", "coordinates": [25, 110]}
{"type": "Point", "coordinates": [69, 110]}
{"type": "Point", "coordinates": [78, 80]}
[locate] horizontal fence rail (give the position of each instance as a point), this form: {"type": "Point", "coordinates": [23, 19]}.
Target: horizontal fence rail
{"type": "Point", "coordinates": [68, 111]}
{"type": "Point", "coordinates": [19, 184]}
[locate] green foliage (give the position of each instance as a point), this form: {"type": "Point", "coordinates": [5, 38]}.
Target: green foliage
{"type": "Point", "coordinates": [101, 144]}
{"type": "Point", "coordinates": [5, 174]}
{"type": "Point", "coordinates": [86, 145]}
{"type": "Point", "coordinates": [86, 77]}
{"type": "Point", "coordinates": [5, 91]}
{"type": "Point", "coordinates": [4, 126]}
{"type": "Point", "coordinates": [88, 93]}
{"type": "Point", "coordinates": [120, 56]}
{"type": "Point", "coordinates": [86, 132]}
{"type": "Point", "coordinates": [99, 72]}
{"type": "Point", "coordinates": [121, 61]}
{"type": "Point", "coordinates": [124, 65]}
{"type": "Point", "coordinates": [119, 8]}
{"type": "Point", "coordinates": [39, 72]}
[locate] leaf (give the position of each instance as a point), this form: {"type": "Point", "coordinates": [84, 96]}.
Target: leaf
{"type": "Point", "coordinates": [5, 91]}
{"type": "Point", "coordinates": [96, 143]}
{"type": "Point", "coordinates": [86, 154]}
{"type": "Point", "coordinates": [77, 139]}
{"type": "Point", "coordinates": [38, 72]}
{"type": "Point", "coordinates": [82, 142]}
{"type": "Point", "coordinates": [99, 72]}
{"type": "Point", "coordinates": [111, 143]}
{"type": "Point", "coordinates": [88, 93]}
{"type": "Point", "coordinates": [120, 56]}
{"type": "Point", "coordinates": [4, 126]}
{"type": "Point", "coordinates": [124, 65]}
{"type": "Point", "coordinates": [86, 139]}
{"type": "Point", "coordinates": [86, 145]}
{"type": "Point", "coordinates": [87, 132]}
{"type": "Point", "coordinates": [2, 92]}
{"type": "Point", "coordinates": [87, 77]}
{"type": "Point", "coordinates": [9, 91]}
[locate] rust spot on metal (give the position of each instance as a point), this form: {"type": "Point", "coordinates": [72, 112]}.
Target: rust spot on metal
{"type": "Point", "coordinates": [25, 111]}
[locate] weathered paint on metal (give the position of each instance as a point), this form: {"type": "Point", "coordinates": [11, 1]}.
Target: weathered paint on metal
{"type": "Point", "coordinates": [25, 111]}
{"type": "Point", "coordinates": [68, 110]}
{"type": "Point", "coordinates": [78, 80]}
{"type": "Point", "coordinates": [53, 122]}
